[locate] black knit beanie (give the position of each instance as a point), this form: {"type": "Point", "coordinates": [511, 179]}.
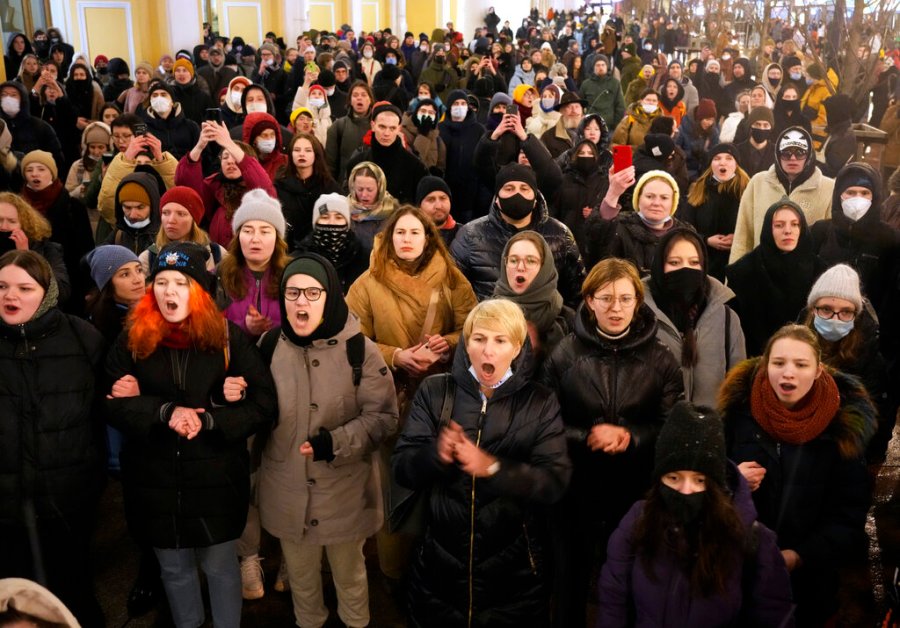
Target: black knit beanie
{"type": "Point", "coordinates": [692, 439]}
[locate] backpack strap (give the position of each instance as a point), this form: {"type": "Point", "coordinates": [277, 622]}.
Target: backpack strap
{"type": "Point", "coordinates": [216, 252]}
{"type": "Point", "coordinates": [727, 338]}
{"type": "Point", "coordinates": [356, 355]}
{"type": "Point", "coordinates": [267, 344]}
{"type": "Point", "coordinates": [447, 404]}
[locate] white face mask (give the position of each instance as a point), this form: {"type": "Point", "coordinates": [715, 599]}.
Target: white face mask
{"type": "Point", "coordinates": [548, 103]}
{"type": "Point", "coordinates": [648, 46]}
{"type": "Point", "coordinates": [317, 102]}
{"type": "Point", "coordinates": [458, 112]}
{"type": "Point", "coordinates": [265, 146]}
{"type": "Point", "coordinates": [367, 54]}
{"type": "Point", "coordinates": [10, 105]}
{"type": "Point", "coordinates": [161, 104]}
{"type": "Point", "coordinates": [329, 91]}
{"type": "Point", "coordinates": [649, 108]}
{"type": "Point", "coordinates": [256, 107]}
{"type": "Point", "coordinates": [270, 62]}
{"type": "Point", "coordinates": [855, 207]}
{"type": "Point", "coordinates": [140, 224]}
{"type": "Point", "coordinates": [236, 98]}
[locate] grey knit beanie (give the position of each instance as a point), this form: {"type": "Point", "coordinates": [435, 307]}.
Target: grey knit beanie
{"type": "Point", "coordinates": [258, 205]}
{"type": "Point", "coordinates": [839, 281]}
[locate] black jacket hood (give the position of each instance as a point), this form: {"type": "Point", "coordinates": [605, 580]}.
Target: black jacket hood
{"type": "Point", "coordinates": [847, 177]}
{"type": "Point", "coordinates": [149, 183]}
{"type": "Point", "coordinates": [25, 102]}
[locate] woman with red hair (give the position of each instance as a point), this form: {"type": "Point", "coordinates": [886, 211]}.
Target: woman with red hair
{"type": "Point", "coordinates": [189, 389]}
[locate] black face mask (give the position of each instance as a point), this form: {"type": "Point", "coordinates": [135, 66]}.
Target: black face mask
{"type": "Point", "coordinates": [683, 508]}
{"type": "Point", "coordinates": [516, 206]}
{"type": "Point", "coordinates": [6, 242]}
{"type": "Point", "coordinates": [761, 135]}
{"type": "Point", "coordinates": [103, 70]}
{"type": "Point", "coordinates": [439, 60]}
{"type": "Point", "coordinates": [332, 239]}
{"type": "Point", "coordinates": [774, 81]}
{"type": "Point", "coordinates": [585, 165]}
{"type": "Point", "coordinates": [683, 284]}
{"type": "Point", "coordinates": [425, 124]}
{"type": "Point", "coordinates": [791, 106]}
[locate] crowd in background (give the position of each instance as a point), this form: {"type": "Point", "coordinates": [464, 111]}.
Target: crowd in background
{"type": "Point", "coordinates": [564, 315]}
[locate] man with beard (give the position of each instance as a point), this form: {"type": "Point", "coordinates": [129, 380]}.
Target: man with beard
{"type": "Point", "coordinates": [561, 137]}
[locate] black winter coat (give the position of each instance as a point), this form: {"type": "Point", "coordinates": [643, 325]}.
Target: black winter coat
{"type": "Point", "coordinates": [470, 193]}
{"type": "Point", "coordinates": [402, 169]}
{"type": "Point", "coordinates": [484, 535]}
{"type": "Point", "coordinates": [194, 101]}
{"type": "Point", "coordinates": [51, 452]}
{"type": "Point", "coordinates": [479, 245]}
{"type": "Point", "coordinates": [625, 236]}
{"type": "Point", "coordinates": [578, 191]}
{"type": "Point", "coordinates": [30, 132]}
{"type": "Point", "coordinates": [297, 199]}
{"type": "Point", "coordinates": [632, 383]}
{"type": "Point", "coordinates": [716, 216]}
{"type": "Point", "coordinates": [491, 155]}
{"type": "Point", "coordinates": [178, 134]}
{"type": "Point", "coordinates": [136, 240]}
{"type": "Point", "coordinates": [815, 495]}
{"type": "Point", "coordinates": [188, 493]}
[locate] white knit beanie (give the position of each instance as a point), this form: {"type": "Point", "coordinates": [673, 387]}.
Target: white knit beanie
{"type": "Point", "coordinates": [839, 281]}
{"type": "Point", "coordinates": [258, 205]}
{"type": "Point", "coordinates": [333, 202]}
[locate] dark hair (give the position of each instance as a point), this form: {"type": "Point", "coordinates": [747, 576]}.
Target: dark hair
{"type": "Point", "coordinates": [707, 551]}
{"type": "Point", "coordinates": [32, 263]}
{"type": "Point", "coordinates": [129, 120]}
{"type": "Point", "coordinates": [321, 172]}
{"type": "Point", "coordinates": [647, 92]}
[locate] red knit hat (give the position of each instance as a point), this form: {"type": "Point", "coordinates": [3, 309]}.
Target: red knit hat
{"type": "Point", "coordinates": [187, 198]}
{"type": "Point", "coordinates": [705, 109]}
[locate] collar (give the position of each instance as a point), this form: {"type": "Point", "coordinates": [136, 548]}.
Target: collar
{"type": "Point", "coordinates": [506, 376]}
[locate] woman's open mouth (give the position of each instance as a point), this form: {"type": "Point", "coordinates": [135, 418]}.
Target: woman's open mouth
{"type": "Point", "coordinates": [11, 309]}
{"type": "Point", "coordinates": [302, 316]}
{"type": "Point", "coordinates": [488, 369]}
{"type": "Point", "coordinates": [787, 388]}
{"type": "Point", "coordinates": [171, 306]}
{"type": "Point", "coordinates": [520, 279]}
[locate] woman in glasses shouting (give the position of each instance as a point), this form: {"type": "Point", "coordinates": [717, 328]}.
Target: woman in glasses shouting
{"type": "Point", "coordinates": [616, 383]}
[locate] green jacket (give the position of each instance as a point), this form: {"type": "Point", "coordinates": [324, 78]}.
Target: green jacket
{"type": "Point", "coordinates": [629, 71]}
{"type": "Point", "coordinates": [604, 97]}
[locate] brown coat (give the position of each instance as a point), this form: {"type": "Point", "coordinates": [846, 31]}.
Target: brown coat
{"type": "Point", "coordinates": [890, 124]}
{"type": "Point", "coordinates": [322, 502]}
{"type": "Point", "coordinates": [430, 148]}
{"type": "Point", "coordinates": [634, 126]}
{"type": "Point", "coordinates": [392, 313]}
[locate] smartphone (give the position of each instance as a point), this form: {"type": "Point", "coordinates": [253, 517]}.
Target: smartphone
{"type": "Point", "coordinates": [140, 129]}
{"type": "Point", "coordinates": [512, 109]}
{"type": "Point", "coordinates": [107, 158]}
{"type": "Point", "coordinates": [214, 114]}
{"type": "Point", "coordinates": [312, 68]}
{"type": "Point", "coordinates": [621, 157]}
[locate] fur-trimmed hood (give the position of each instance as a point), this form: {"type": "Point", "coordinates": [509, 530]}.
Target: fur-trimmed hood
{"type": "Point", "coordinates": [851, 428]}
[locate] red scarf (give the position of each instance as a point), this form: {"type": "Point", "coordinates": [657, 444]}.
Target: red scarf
{"type": "Point", "coordinates": [805, 421]}
{"type": "Point", "coordinates": [43, 199]}
{"type": "Point", "coordinates": [450, 223]}
{"type": "Point", "coordinates": [177, 336]}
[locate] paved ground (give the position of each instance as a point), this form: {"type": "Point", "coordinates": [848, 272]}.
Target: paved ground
{"type": "Point", "coordinates": [863, 593]}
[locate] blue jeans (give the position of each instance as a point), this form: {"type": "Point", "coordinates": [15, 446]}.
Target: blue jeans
{"type": "Point", "coordinates": [181, 580]}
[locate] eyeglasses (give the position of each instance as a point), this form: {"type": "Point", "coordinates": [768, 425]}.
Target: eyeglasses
{"type": "Point", "coordinates": [796, 153]}
{"type": "Point", "coordinates": [530, 261]}
{"type": "Point", "coordinates": [311, 294]}
{"type": "Point", "coordinates": [827, 313]}
{"type": "Point", "coordinates": [607, 300]}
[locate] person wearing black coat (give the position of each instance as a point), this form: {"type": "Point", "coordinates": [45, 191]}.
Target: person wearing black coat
{"type": "Point", "coordinates": [141, 191]}
{"type": "Point", "coordinates": [771, 281]}
{"type": "Point", "coordinates": [584, 184]}
{"type": "Point", "coordinates": [194, 99]}
{"type": "Point", "coordinates": [176, 132]}
{"type": "Point", "coordinates": [54, 107]}
{"type": "Point", "coordinates": [479, 244]}
{"type": "Point", "coordinates": [28, 132]}
{"type": "Point", "coordinates": [486, 475]}
{"type": "Point", "coordinates": [51, 453]}
{"type": "Point", "coordinates": [119, 79]}
{"type": "Point", "coordinates": [787, 113]}
{"type": "Point", "coordinates": [384, 147]}
{"type": "Point", "coordinates": [18, 47]}
{"type": "Point", "coordinates": [187, 396]}
{"type": "Point", "coordinates": [616, 383]}
{"type": "Point", "coordinates": [460, 138]}
{"type": "Point", "coordinates": [803, 454]}
{"type": "Point", "coordinates": [857, 236]}
{"type": "Point", "coordinates": [274, 79]}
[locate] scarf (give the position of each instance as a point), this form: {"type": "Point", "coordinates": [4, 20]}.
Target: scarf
{"type": "Point", "coordinates": [177, 336]}
{"type": "Point", "coordinates": [806, 421]}
{"type": "Point", "coordinates": [43, 199]}
{"type": "Point", "coordinates": [331, 239]}
{"type": "Point", "coordinates": [541, 302]}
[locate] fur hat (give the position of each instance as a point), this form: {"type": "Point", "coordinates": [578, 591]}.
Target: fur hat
{"type": "Point", "coordinates": [258, 205]}
{"type": "Point", "coordinates": [106, 260]}
{"type": "Point", "coordinates": [691, 439]}
{"type": "Point", "coordinates": [40, 157]}
{"type": "Point", "coordinates": [839, 281]}
{"type": "Point", "coordinates": [186, 197]}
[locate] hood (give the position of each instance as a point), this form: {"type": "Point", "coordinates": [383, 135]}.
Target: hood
{"type": "Point", "coordinates": [851, 428]}
{"type": "Point", "coordinates": [32, 599]}
{"type": "Point", "coordinates": [842, 181]}
{"type": "Point", "coordinates": [91, 126]}
{"type": "Point", "coordinates": [808, 168]}
{"type": "Point", "coordinates": [149, 183]}
{"type": "Point", "coordinates": [12, 54]}
{"type": "Point", "coordinates": [270, 105]}
{"type": "Point", "coordinates": [522, 368]}
{"type": "Point", "coordinates": [767, 240]}
{"type": "Point", "coordinates": [525, 77]}
{"type": "Point", "coordinates": [604, 130]}
{"type": "Point", "coordinates": [25, 102]}
{"type": "Point", "coordinates": [255, 123]}
{"type": "Point", "coordinates": [764, 79]}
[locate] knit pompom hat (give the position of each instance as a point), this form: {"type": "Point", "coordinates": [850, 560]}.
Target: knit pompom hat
{"type": "Point", "coordinates": [839, 281]}
{"type": "Point", "coordinates": [650, 176]}
{"type": "Point", "coordinates": [258, 205]}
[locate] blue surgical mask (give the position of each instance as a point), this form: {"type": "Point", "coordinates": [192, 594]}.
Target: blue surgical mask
{"type": "Point", "coordinates": [832, 329]}
{"type": "Point", "coordinates": [391, 61]}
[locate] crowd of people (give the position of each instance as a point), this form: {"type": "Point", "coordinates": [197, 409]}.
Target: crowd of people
{"type": "Point", "coordinates": [560, 318]}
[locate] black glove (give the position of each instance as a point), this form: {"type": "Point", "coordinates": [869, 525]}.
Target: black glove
{"type": "Point", "coordinates": [323, 448]}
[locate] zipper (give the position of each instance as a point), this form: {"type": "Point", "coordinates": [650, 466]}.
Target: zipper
{"type": "Point", "coordinates": [472, 515]}
{"type": "Point", "coordinates": [528, 547]}
{"type": "Point", "coordinates": [258, 297]}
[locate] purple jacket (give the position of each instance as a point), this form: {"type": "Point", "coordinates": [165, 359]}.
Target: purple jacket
{"type": "Point", "coordinates": [256, 296]}
{"type": "Point", "coordinates": [626, 587]}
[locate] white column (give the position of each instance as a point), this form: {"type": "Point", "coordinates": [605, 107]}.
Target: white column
{"type": "Point", "coordinates": [356, 15]}
{"type": "Point", "coordinates": [296, 19]}
{"type": "Point", "coordinates": [185, 25]}
{"type": "Point", "coordinates": [398, 17]}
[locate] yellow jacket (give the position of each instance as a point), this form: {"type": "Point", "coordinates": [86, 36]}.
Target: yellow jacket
{"type": "Point", "coordinates": [815, 98]}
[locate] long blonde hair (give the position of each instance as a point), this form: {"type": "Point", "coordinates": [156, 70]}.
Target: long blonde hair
{"type": "Point", "coordinates": [34, 225]}
{"type": "Point", "coordinates": [734, 187]}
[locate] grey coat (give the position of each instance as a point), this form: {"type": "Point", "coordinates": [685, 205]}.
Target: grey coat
{"type": "Point", "coordinates": [320, 502]}
{"type": "Point", "coordinates": [701, 382]}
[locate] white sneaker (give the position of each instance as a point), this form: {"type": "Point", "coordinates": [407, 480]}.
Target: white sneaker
{"type": "Point", "coordinates": [282, 582]}
{"type": "Point", "coordinates": [252, 577]}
